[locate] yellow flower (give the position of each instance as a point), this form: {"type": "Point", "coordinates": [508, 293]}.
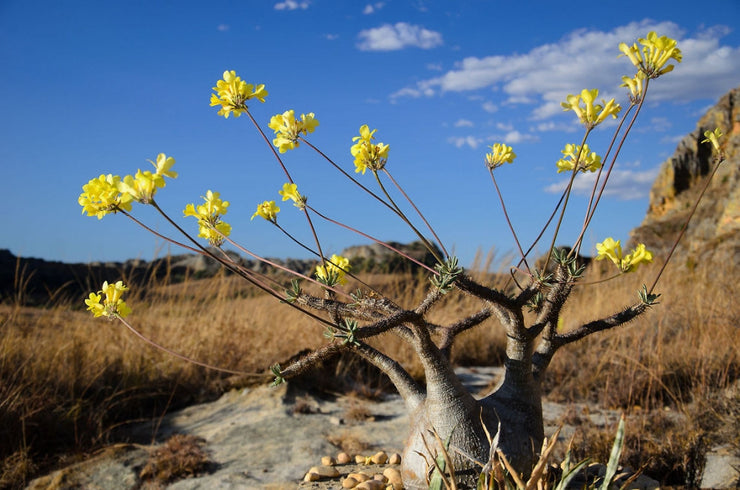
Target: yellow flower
{"type": "Point", "coordinates": [267, 210]}
{"type": "Point", "coordinates": [232, 93]}
{"type": "Point", "coordinates": [638, 255]}
{"type": "Point", "coordinates": [101, 196]}
{"type": "Point", "coordinates": [652, 57]}
{"type": "Point", "coordinates": [368, 155]}
{"type": "Point", "coordinates": [635, 85]}
{"type": "Point", "coordinates": [288, 129]}
{"type": "Point", "coordinates": [163, 166]}
{"type": "Point", "coordinates": [113, 305]}
{"type": "Point", "coordinates": [500, 154]}
{"type": "Point", "coordinates": [142, 187]}
{"type": "Point", "coordinates": [290, 191]}
{"type": "Point", "coordinates": [713, 138]}
{"type": "Point", "coordinates": [582, 158]}
{"type": "Point", "coordinates": [211, 227]}
{"type": "Point", "coordinates": [333, 271]}
{"type": "Point", "coordinates": [629, 263]}
{"type": "Point", "coordinates": [590, 114]}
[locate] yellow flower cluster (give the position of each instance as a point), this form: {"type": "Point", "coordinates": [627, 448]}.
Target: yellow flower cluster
{"type": "Point", "coordinates": [101, 196]}
{"type": "Point", "coordinates": [635, 85]}
{"type": "Point", "coordinates": [109, 193]}
{"type": "Point", "coordinates": [232, 93]}
{"type": "Point", "coordinates": [267, 210]}
{"type": "Point", "coordinates": [288, 129]}
{"type": "Point", "coordinates": [290, 191]}
{"type": "Point", "coordinates": [590, 114]}
{"type": "Point", "coordinates": [584, 159]}
{"type": "Point", "coordinates": [333, 271]}
{"type": "Point", "coordinates": [113, 306]}
{"type": "Point", "coordinates": [211, 227]}
{"type": "Point", "coordinates": [500, 154]}
{"type": "Point", "coordinates": [652, 56]}
{"type": "Point", "coordinates": [613, 250]}
{"type": "Point", "coordinates": [368, 154]}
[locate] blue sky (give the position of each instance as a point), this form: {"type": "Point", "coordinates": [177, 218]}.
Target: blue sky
{"type": "Point", "coordinates": [101, 87]}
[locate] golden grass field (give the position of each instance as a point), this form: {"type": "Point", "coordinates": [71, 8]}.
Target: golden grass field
{"type": "Point", "coordinates": [70, 384]}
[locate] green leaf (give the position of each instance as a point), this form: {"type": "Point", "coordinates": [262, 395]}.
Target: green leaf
{"type": "Point", "coordinates": [278, 375]}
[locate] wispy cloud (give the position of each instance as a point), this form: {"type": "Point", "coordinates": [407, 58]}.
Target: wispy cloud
{"type": "Point", "coordinates": [292, 5]}
{"type": "Point", "coordinates": [398, 36]}
{"type": "Point", "coordinates": [331, 37]}
{"type": "Point", "coordinates": [625, 184]}
{"type": "Point", "coordinates": [222, 27]}
{"type": "Point", "coordinates": [588, 58]}
{"type": "Point", "coordinates": [463, 123]}
{"type": "Point", "coordinates": [460, 141]}
{"type": "Point", "coordinates": [371, 8]}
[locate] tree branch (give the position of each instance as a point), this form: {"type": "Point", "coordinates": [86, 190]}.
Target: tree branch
{"type": "Point", "coordinates": [409, 389]}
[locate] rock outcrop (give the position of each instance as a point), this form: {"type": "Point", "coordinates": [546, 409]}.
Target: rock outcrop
{"type": "Point", "coordinates": [714, 232]}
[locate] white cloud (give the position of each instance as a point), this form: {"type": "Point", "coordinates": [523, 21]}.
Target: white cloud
{"type": "Point", "coordinates": [331, 37]}
{"type": "Point", "coordinates": [553, 126]}
{"type": "Point", "coordinates": [513, 137]}
{"type": "Point", "coordinates": [292, 5]}
{"type": "Point", "coordinates": [461, 141]}
{"type": "Point", "coordinates": [434, 66]}
{"type": "Point", "coordinates": [624, 184]}
{"type": "Point", "coordinates": [222, 27]}
{"type": "Point", "coordinates": [371, 8]}
{"type": "Point", "coordinates": [588, 58]}
{"type": "Point", "coordinates": [463, 123]}
{"type": "Point", "coordinates": [490, 107]}
{"type": "Point", "coordinates": [398, 36]}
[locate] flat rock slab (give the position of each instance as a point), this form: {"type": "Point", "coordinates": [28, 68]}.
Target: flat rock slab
{"type": "Point", "coordinates": [268, 438]}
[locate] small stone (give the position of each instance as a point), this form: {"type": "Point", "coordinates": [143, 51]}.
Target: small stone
{"type": "Point", "coordinates": [360, 477]}
{"type": "Point", "coordinates": [380, 477]}
{"type": "Point", "coordinates": [310, 476]}
{"type": "Point", "coordinates": [324, 471]}
{"type": "Point", "coordinates": [349, 482]}
{"type": "Point", "coordinates": [394, 459]}
{"type": "Point", "coordinates": [359, 459]}
{"type": "Point", "coordinates": [394, 478]}
{"type": "Point", "coordinates": [328, 461]}
{"type": "Point", "coordinates": [371, 485]}
{"type": "Point", "coordinates": [343, 458]}
{"type": "Point", "coordinates": [380, 457]}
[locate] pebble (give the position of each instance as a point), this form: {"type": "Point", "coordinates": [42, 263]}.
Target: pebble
{"type": "Point", "coordinates": [379, 458]}
{"type": "Point", "coordinates": [394, 459]}
{"type": "Point", "coordinates": [323, 472]}
{"type": "Point", "coordinates": [328, 461]}
{"type": "Point", "coordinates": [343, 458]}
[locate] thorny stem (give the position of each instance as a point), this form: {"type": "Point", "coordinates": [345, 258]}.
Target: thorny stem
{"type": "Point", "coordinates": [406, 220]}
{"type": "Point", "coordinates": [290, 179]}
{"type": "Point", "coordinates": [232, 267]}
{"type": "Point", "coordinates": [568, 190]}
{"type": "Point", "coordinates": [342, 293]}
{"type": "Point", "coordinates": [163, 237]}
{"type": "Point", "coordinates": [685, 225]}
{"type": "Point", "coordinates": [379, 242]}
{"type": "Point", "coordinates": [344, 172]}
{"type": "Point", "coordinates": [592, 209]}
{"type": "Point", "coordinates": [508, 221]}
{"type": "Point", "coordinates": [400, 189]}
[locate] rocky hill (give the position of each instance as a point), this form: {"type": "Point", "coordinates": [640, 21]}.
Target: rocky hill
{"type": "Point", "coordinates": [714, 232]}
{"type": "Point", "coordinates": [34, 282]}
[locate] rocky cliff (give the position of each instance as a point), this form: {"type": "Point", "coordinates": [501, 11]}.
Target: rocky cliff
{"type": "Point", "coordinates": [714, 232]}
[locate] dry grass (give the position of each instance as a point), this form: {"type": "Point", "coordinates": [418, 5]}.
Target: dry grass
{"type": "Point", "coordinates": [69, 383]}
{"type": "Point", "coordinates": [181, 456]}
